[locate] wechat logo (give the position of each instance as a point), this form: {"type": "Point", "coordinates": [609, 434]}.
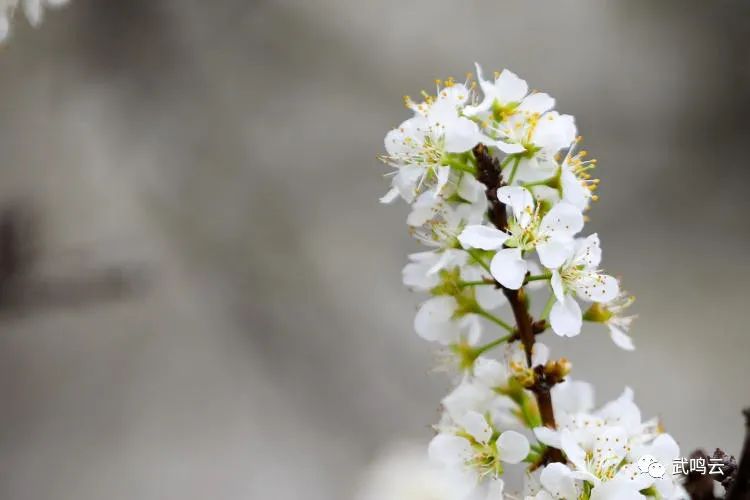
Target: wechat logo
{"type": "Point", "coordinates": [647, 464]}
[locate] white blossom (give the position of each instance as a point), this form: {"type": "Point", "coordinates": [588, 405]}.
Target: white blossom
{"type": "Point", "coordinates": [420, 146]}
{"type": "Point", "coordinates": [579, 277]}
{"type": "Point", "coordinates": [551, 236]}
{"type": "Point", "coordinates": [474, 448]}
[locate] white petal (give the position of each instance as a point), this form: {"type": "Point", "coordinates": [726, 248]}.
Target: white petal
{"type": "Point", "coordinates": [510, 88]}
{"type": "Point", "coordinates": [390, 196]}
{"type": "Point", "coordinates": [563, 219]}
{"type": "Point", "coordinates": [461, 135]}
{"type": "Point", "coordinates": [495, 489]}
{"type": "Point", "coordinates": [616, 490]}
{"type": "Point", "coordinates": [509, 268]}
{"type": "Point", "coordinates": [449, 450]}
{"type": "Point", "coordinates": [470, 329]}
{"type": "Point", "coordinates": [554, 132]}
{"type": "Point", "coordinates": [475, 424]}
{"type": "Point", "coordinates": [433, 320]}
{"type": "Point", "coordinates": [548, 436]}
{"type": "Point", "coordinates": [403, 139]}
{"type": "Point", "coordinates": [520, 200]}
{"type": "Point", "coordinates": [566, 317]}
{"type": "Point", "coordinates": [576, 455]}
{"type": "Point", "coordinates": [557, 285]}
{"type": "Point", "coordinates": [588, 252]}
{"type": "Point", "coordinates": [538, 102]}
{"type": "Point", "coordinates": [554, 253]}
{"type": "Point", "coordinates": [489, 297]}
{"type": "Point", "coordinates": [573, 191]}
{"type": "Point", "coordinates": [556, 479]}
{"type": "Point", "coordinates": [443, 174]}
{"type": "Point", "coordinates": [622, 412]}
{"type": "Point", "coordinates": [573, 396]}
{"type": "Point", "coordinates": [665, 449]}
{"type": "Point", "coordinates": [490, 372]}
{"type": "Point", "coordinates": [539, 354]}
{"type": "Point", "coordinates": [416, 273]}
{"type": "Point", "coordinates": [513, 446]}
{"type": "Point", "coordinates": [467, 396]}
{"type": "Point", "coordinates": [506, 147]}
{"type": "Point", "coordinates": [470, 189]}
{"type": "Point", "coordinates": [484, 237]}
{"type": "Point", "coordinates": [597, 287]}
{"type": "Point", "coordinates": [621, 339]}
{"type": "Point", "coordinates": [450, 257]}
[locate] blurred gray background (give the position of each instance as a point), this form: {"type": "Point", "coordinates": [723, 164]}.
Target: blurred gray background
{"type": "Point", "coordinates": [224, 152]}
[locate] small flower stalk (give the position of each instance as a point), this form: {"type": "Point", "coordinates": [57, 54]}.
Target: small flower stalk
{"type": "Point", "coordinates": [498, 186]}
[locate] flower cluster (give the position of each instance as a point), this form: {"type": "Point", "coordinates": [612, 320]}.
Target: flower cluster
{"type": "Point", "coordinates": [33, 9]}
{"type": "Point", "coordinates": [498, 188]}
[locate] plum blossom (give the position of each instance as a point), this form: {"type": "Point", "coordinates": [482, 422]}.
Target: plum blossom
{"type": "Point", "coordinates": [421, 146]}
{"type": "Point", "coordinates": [471, 446]}
{"type": "Point", "coordinates": [612, 315]}
{"type": "Point", "coordinates": [551, 236]}
{"type": "Point", "coordinates": [579, 277]}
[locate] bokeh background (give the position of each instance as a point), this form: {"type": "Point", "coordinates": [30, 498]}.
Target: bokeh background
{"type": "Point", "coordinates": [208, 301]}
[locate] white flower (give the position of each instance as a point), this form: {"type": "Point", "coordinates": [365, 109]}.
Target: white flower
{"type": "Point", "coordinates": [436, 321]}
{"type": "Point", "coordinates": [576, 184]}
{"type": "Point", "coordinates": [551, 236]}
{"type": "Point", "coordinates": [33, 9]}
{"type": "Point", "coordinates": [664, 449]}
{"type": "Point", "coordinates": [556, 482]}
{"type": "Point", "coordinates": [579, 277]}
{"type": "Point", "coordinates": [617, 323]}
{"type": "Point", "coordinates": [418, 147]}
{"type": "Point", "coordinates": [473, 448]}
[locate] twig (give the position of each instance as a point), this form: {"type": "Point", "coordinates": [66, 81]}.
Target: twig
{"type": "Point", "coordinates": [740, 488]}
{"type": "Point", "coordinates": [488, 172]}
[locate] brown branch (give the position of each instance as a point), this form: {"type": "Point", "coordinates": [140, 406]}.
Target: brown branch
{"type": "Point", "coordinates": [740, 489]}
{"type": "Point", "coordinates": [488, 173]}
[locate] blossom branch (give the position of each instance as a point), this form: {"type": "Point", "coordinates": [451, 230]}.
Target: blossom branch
{"type": "Point", "coordinates": [488, 172]}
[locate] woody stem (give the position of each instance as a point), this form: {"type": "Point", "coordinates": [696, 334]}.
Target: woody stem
{"type": "Point", "coordinates": [488, 172]}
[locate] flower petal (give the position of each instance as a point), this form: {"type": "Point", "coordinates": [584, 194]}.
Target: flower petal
{"type": "Point", "coordinates": [520, 200]}
{"type": "Point", "coordinates": [513, 446]}
{"type": "Point", "coordinates": [554, 253]}
{"type": "Point", "coordinates": [538, 102]}
{"type": "Point", "coordinates": [390, 196]}
{"type": "Point", "coordinates": [588, 252]}
{"type": "Point", "coordinates": [461, 135]}
{"type": "Point", "coordinates": [563, 220]}
{"type": "Point", "coordinates": [557, 285]}
{"type": "Point", "coordinates": [510, 88]}
{"type": "Point", "coordinates": [597, 287]}
{"type": "Point", "coordinates": [434, 320]}
{"type": "Point", "coordinates": [484, 237]}
{"type": "Point", "coordinates": [509, 268]}
{"type": "Point", "coordinates": [621, 339]}
{"type": "Point", "coordinates": [470, 189]}
{"type": "Point", "coordinates": [556, 479]}
{"type": "Point", "coordinates": [506, 147]}
{"type": "Point", "coordinates": [475, 424]}
{"type": "Point", "coordinates": [548, 436]}
{"type": "Point", "coordinates": [566, 317]}
{"type": "Point", "coordinates": [539, 354]}
{"type": "Point", "coordinates": [449, 450]}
